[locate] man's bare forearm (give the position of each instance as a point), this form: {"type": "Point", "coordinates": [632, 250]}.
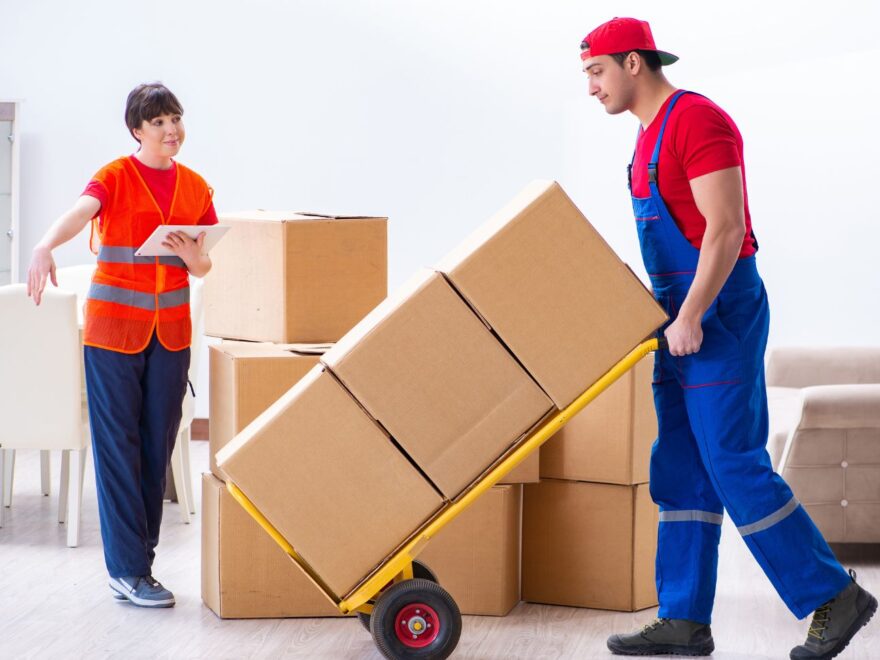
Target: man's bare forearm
{"type": "Point", "coordinates": [719, 252]}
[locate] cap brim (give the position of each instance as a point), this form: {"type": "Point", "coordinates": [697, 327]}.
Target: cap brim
{"type": "Point", "coordinates": [666, 58]}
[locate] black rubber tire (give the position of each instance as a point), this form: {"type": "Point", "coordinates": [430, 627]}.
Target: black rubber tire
{"type": "Point", "coordinates": [420, 570]}
{"type": "Point", "coordinates": [402, 594]}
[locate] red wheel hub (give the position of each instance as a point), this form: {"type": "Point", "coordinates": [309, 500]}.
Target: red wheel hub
{"type": "Point", "coordinates": [417, 625]}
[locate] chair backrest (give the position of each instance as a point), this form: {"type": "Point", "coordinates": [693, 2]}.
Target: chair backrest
{"type": "Point", "coordinates": [76, 279]}
{"type": "Point", "coordinates": [805, 367]}
{"type": "Point", "coordinates": [40, 387]}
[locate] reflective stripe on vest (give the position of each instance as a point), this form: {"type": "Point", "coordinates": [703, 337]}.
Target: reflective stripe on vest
{"type": "Point", "coordinates": [121, 296]}
{"type": "Point", "coordinates": [126, 255]}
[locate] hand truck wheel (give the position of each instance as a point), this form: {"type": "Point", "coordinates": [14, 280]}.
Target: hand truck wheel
{"type": "Point", "coordinates": [415, 619]}
{"type": "Point", "coordinates": [420, 570]}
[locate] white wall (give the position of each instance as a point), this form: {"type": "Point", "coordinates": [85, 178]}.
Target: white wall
{"type": "Point", "coordinates": [435, 113]}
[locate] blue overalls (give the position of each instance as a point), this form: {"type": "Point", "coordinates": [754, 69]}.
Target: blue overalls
{"type": "Point", "coordinates": [710, 454]}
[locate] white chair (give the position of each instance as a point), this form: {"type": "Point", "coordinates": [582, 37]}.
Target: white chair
{"type": "Point", "coordinates": [78, 279]}
{"type": "Point", "coordinates": [181, 469]}
{"type": "Point", "coordinates": [41, 404]}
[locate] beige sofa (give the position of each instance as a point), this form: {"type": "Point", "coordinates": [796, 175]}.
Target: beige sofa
{"type": "Point", "coordinates": [825, 435]}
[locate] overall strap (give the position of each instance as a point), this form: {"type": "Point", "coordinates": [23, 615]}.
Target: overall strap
{"type": "Point", "coordinates": [652, 165]}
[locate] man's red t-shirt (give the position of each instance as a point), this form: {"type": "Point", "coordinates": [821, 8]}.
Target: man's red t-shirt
{"type": "Point", "coordinates": [161, 185]}
{"type": "Point", "coordinates": [700, 138]}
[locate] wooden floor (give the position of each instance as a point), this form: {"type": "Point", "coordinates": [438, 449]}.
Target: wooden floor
{"type": "Point", "coordinates": [55, 603]}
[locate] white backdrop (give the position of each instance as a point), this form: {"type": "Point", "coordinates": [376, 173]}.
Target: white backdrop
{"type": "Point", "coordinates": [435, 113]}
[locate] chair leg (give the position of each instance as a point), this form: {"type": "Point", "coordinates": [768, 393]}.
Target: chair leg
{"type": "Point", "coordinates": [64, 487]}
{"type": "Point", "coordinates": [46, 471]}
{"type": "Point", "coordinates": [77, 473]}
{"type": "Point", "coordinates": [9, 476]}
{"type": "Point", "coordinates": [186, 436]}
{"type": "Point", "coordinates": [177, 473]}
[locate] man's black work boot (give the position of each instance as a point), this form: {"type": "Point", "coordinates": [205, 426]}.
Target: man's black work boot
{"type": "Point", "coordinates": [835, 623]}
{"type": "Point", "coordinates": [665, 637]}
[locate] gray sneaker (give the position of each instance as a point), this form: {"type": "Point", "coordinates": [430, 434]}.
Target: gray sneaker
{"type": "Point", "coordinates": [835, 623]}
{"type": "Point", "coordinates": [143, 591]}
{"type": "Point", "coordinates": [665, 637]}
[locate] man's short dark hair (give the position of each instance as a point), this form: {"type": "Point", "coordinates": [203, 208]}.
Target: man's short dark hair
{"type": "Point", "coordinates": [148, 101]}
{"type": "Point", "coordinates": [651, 59]}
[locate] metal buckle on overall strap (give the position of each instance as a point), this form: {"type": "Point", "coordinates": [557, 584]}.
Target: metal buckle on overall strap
{"type": "Point", "coordinates": [652, 172]}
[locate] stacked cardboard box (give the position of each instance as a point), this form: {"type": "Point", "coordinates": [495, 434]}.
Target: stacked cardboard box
{"type": "Point", "coordinates": [433, 386]}
{"type": "Point", "coordinates": [295, 277]}
{"type": "Point", "coordinates": [590, 527]}
{"type": "Point", "coordinates": [277, 277]}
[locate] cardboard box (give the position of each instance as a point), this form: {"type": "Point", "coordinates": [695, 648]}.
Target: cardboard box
{"type": "Point", "coordinates": [295, 277]}
{"type": "Point", "coordinates": [476, 557]}
{"type": "Point", "coordinates": [246, 378]}
{"type": "Point", "coordinates": [610, 440]}
{"type": "Point", "coordinates": [527, 472]}
{"type": "Point", "coordinates": [425, 366]}
{"type": "Point", "coordinates": [556, 294]}
{"type": "Point", "coordinates": [327, 477]}
{"type": "Point", "coordinates": [589, 545]}
{"type": "Point", "coordinates": [245, 575]}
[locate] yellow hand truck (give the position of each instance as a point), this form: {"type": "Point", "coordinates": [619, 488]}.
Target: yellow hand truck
{"type": "Point", "coordinates": [400, 603]}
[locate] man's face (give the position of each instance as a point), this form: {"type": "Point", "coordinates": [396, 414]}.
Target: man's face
{"type": "Point", "coordinates": [610, 83]}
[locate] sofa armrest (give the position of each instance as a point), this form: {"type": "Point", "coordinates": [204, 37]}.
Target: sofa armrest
{"type": "Point", "coordinates": [840, 406]}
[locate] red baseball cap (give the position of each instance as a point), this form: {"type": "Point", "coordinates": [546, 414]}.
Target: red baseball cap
{"type": "Point", "coordinates": [622, 35]}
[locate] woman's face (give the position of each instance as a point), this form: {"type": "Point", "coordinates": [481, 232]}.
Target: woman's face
{"type": "Point", "coordinates": [161, 135]}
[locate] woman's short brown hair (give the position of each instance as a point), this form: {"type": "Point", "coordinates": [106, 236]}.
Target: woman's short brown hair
{"type": "Point", "coordinates": [148, 101]}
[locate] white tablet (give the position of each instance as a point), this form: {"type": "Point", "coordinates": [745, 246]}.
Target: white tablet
{"type": "Point", "coordinates": [153, 247]}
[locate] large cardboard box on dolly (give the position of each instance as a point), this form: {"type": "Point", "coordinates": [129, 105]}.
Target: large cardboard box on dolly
{"type": "Point", "coordinates": [246, 378]}
{"type": "Point", "coordinates": [610, 440]}
{"type": "Point", "coordinates": [332, 483]}
{"type": "Point", "coordinates": [553, 290]}
{"type": "Point", "coordinates": [295, 277]}
{"type": "Point", "coordinates": [245, 574]}
{"type": "Point", "coordinates": [589, 545]}
{"type": "Point", "coordinates": [425, 366]}
{"type": "Point", "coordinates": [477, 556]}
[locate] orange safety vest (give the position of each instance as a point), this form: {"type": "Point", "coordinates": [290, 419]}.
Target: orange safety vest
{"type": "Point", "coordinates": [131, 295]}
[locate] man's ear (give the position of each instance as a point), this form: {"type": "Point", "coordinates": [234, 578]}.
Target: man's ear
{"type": "Point", "coordinates": [633, 63]}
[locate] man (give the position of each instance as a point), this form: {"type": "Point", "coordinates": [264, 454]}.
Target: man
{"type": "Point", "coordinates": [687, 181]}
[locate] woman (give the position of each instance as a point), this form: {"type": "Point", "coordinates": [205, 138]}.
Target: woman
{"type": "Point", "coordinates": [137, 329]}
